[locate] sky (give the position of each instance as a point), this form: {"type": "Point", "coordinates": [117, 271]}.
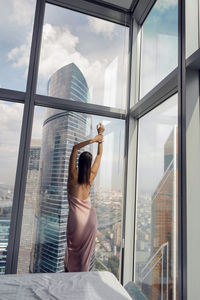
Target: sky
{"type": "Point", "coordinates": [67, 37]}
{"type": "Point", "coordinates": [99, 49]}
{"type": "Point", "coordinates": [159, 54]}
{"type": "Point", "coordinates": [16, 25]}
{"type": "Point", "coordinates": [159, 57]}
{"type": "Point", "coordinates": [92, 44]}
{"type": "Point", "coordinates": [154, 130]}
{"type": "Point", "coordinates": [10, 124]}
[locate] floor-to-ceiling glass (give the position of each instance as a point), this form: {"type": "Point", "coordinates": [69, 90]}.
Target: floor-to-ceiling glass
{"type": "Point", "coordinates": [159, 46]}
{"type": "Point", "coordinates": [156, 202]}
{"type": "Point", "coordinates": [98, 48]}
{"type": "Point", "coordinates": [10, 124]}
{"type": "Point", "coordinates": [43, 236]}
{"type": "Point", "coordinates": [16, 26]}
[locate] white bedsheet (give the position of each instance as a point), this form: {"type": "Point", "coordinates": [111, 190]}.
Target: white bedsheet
{"type": "Point", "coordinates": [57, 286]}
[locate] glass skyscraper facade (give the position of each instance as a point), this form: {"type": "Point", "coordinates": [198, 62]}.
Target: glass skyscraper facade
{"type": "Point", "coordinates": [61, 130]}
{"type": "Point", "coordinates": [5, 211]}
{"type": "Point", "coordinates": [26, 251]}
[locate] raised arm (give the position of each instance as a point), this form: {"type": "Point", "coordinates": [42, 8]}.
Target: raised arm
{"type": "Point", "coordinates": [96, 164]}
{"type": "Point", "coordinates": [72, 161]}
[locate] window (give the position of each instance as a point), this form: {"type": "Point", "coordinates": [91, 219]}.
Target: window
{"type": "Point", "coordinates": [16, 27]}
{"type": "Point", "coordinates": [43, 238]}
{"type": "Point", "coordinates": [192, 26]}
{"type": "Point", "coordinates": [159, 50]}
{"type": "Point", "coordinates": [156, 202]}
{"type": "Point", "coordinates": [96, 50]}
{"type": "Point", "coordinates": [10, 124]}
{"type": "Point", "coordinates": [82, 58]}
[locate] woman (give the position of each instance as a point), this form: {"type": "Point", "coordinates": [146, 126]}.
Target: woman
{"type": "Point", "coordinates": [82, 220]}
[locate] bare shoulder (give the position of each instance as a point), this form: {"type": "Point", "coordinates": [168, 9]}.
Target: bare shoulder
{"type": "Point", "coordinates": [80, 191]}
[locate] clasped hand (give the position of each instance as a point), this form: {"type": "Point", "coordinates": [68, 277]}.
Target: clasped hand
{"type": "Point", "coordinates": [100, 129]}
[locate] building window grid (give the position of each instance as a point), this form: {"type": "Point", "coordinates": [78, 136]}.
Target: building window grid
{"type": "Point", "coordinates": [16, 100]}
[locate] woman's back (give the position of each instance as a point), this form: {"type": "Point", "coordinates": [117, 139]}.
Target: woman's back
{"type": "Point", "coordinates": [80, 191]}
{"type": "Point", "coordinates": [81, 228]}
{"type": "Point", "coordinates": [82, 219]}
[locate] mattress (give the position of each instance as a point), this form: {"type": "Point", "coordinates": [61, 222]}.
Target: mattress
{"type": "Point", "coordinates": [57, 286]}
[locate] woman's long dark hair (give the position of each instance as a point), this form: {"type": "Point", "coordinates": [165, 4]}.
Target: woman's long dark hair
{"type": "Point", "coordinates": [84, 167]}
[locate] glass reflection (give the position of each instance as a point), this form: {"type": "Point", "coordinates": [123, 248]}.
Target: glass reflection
{"type": "Point", "coordinates": [10, 124]}
{"type": "Point", "coordinates": [73, 38]}
{"type": "Point", "coordinates": [156, 211]}
{"type": "Point", "coordinates": [159, 52]}
{"type": "Point", "coordinates": [16, 26]}
{"type": "Point", "coordinates": [43, 237]}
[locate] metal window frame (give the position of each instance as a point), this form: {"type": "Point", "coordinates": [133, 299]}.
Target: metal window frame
{"type": "Point", "coordinates": [88, 108]}
{"type": "Point", "coordinates": [30, 99]}
{"type": "Point", "coordinates": [182, 172]}
{"type": "Point", "coordinates": [22, 164]}
{"type": "Point", "coordinates": [162, 91]}
{"type": "Point", "coordinates": [142, 10]}
{"type": "Point", "coordinates": [131, 152]}
{"type": "Point", "coordinates": [102, 10]}
{"type": "Point", "coordinates": [126, 146]}
{"type": "Point", "coordinates": [171, 84]}
{"type": "Point", "coordinates": [11, 95]}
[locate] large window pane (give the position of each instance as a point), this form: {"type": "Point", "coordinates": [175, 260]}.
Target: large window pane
{"type": "Point", "coordinates": [191, 26]}
{"type": "Point", "coordinates": [159, 52]}
{"type": "Point", "coordinates": [156, 209]}
{"type": "Point", "coordinates": [10, 124]}
{"type": "Point", "coordinates": [16, 25]}
{"type": "Point", "coordinates": [73, 41]}
{"type": "Point", "coordinates": [43, 237]}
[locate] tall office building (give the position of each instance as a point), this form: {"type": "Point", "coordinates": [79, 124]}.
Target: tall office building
{"type": "Point", "coordinates": [5, 213]}
{"type": "Point", "coordinates": [28, 233]}
{"type": "Point", "coordinates": [61, 130]}
{"type": "Point", "coordinates": [160, 274]}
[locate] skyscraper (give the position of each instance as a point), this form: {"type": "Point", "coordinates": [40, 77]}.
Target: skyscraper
{"type": "Point", "coordinates": [159, 275]}
{"type": "Point", "coordinates": [28, 233]}
{"type": "Point", "coordinates": [5, 212]}
{"type": "Point", "coordinates": [61, 129]}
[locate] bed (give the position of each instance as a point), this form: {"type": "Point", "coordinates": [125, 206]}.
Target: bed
{"type": "Point", "coordinates": [57, 286]}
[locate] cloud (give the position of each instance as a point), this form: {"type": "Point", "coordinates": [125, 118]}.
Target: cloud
{"type": "Point", "coordinates": [22, 12]}
{"type": "Point", "coordinates": [101, 27]}
{"type": "Point", "coordinates": [19, 56]}
{"type": "Point", "coordinates": [11, 115]}
{"type": "Point", "coordinates": [10, 124]}
{"type": "Point", "coordinates": [163, 5]}
{"type": "Point", "coordinates": [59, 48]}
{"type": "Point", "coordinates": [159, 58]}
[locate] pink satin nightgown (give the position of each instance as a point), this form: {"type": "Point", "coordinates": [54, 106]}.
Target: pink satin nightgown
{"type": "Point", "coordinates": [81, 234]}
